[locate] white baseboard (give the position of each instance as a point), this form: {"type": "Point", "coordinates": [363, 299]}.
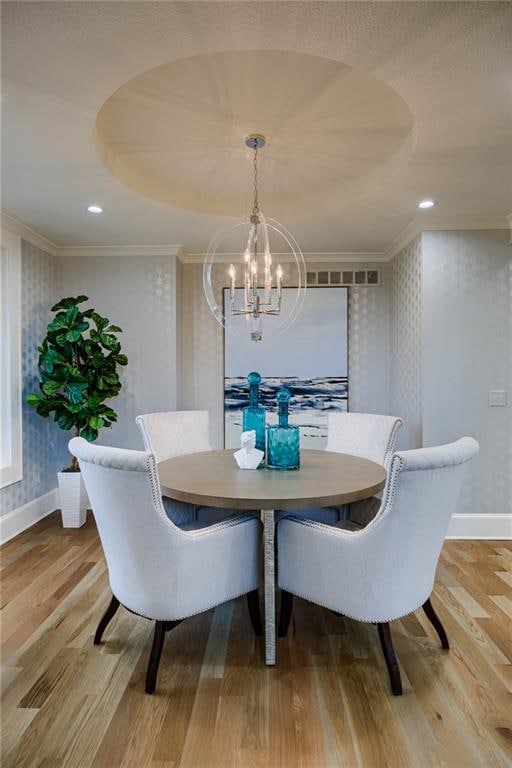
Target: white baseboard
{"type": "Point", "coordinates": [23, 517]}
{"type": "Point", "coordinates": [486, 526]}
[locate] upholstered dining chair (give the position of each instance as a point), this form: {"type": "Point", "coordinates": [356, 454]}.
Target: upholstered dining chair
{"type": "Point", "coordinates": [175, 433]}
{"type": "Point", "coordinates": [391, 563]}
{"type": "Point", "coordinates": [367, 435]}
{"type": "Point", "coordinates": [157, 570]}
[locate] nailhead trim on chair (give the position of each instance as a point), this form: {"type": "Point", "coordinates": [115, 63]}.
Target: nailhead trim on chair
{"type": "Point", "coordinates": [145, 436]}
{"type": "Point", "coordinates": [388, 455]}
{"type": "Point", "coordinates": [185, 616]}
{"type": "Point", "coordinates": [397, 465]}
{"type": "Point", "coordinates": [156, 494]}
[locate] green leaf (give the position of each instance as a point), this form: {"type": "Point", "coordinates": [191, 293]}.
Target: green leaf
{"type": "Point", "coordinates": [114, 329]}
{"type": "Point", "coordinates": [121, 359]}
{"type": "Point", "coordinates": [58, 323]}
{"type": "Point", "coordinates": [69, 302]}
{"type": "Point", "coordinates": [73, 371]}
{"type": "Point", "coordinates": [66, 421]}
{"type": "Point", "coordinates": [101, 322]}
{"type": "Point", "coordinates": [74, 407]}
{"type": "Point", "coordinates": [88, 433]}
{"type": "Point", "coordinates": [44, 407]}
{"type": "Point", "coordinates": [33, 399]}
{"type": "Point", "coordinates": [82, 327]}
{"type": "Point", "coordinates": [75, 392]}
{"type": "Point", "coordinates": [109, 341]}
{"type": "Point", "coordinates": [96, 422]}
{"type": "Point", "coordinates": [72, 314]}
{"type": "Point", "coordinates": [51, 387]}
{"type": "Point", "coordinates": [73, 336]}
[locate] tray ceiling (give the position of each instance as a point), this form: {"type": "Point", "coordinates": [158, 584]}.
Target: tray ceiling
{"type": "Point", "coordinates": [142, 107]}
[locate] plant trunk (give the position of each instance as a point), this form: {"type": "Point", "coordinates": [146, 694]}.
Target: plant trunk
{"type": "Point", "coordinates": [74, 466]}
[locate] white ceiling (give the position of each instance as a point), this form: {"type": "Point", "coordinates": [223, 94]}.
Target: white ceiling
{"type": "Point", "coordinates": [447, 65]}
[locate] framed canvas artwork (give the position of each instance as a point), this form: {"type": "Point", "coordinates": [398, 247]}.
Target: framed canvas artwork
{"type": "Point", "coordinates": [311, 359]}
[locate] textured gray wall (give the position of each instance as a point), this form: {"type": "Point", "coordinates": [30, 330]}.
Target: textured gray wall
{"type": "Point", "coordinates": [40, 437]}
{"type": "Point", "coordinates": [467, 351]}
{"type": "Point", "coordinates": [406, 308]}
{"type": "Point", "coordinates": [139, 294]}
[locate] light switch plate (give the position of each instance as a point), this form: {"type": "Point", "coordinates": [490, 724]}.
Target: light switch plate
{"type": "Point", "coordinates": [497, 397]}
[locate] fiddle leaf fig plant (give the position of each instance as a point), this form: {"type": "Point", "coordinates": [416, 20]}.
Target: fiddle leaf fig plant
{"type": "Point", "coordinates": [78, 367]}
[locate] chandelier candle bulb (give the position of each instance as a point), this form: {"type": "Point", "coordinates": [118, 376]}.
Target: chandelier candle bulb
{"type": "Point", "coordinates": [279, 275]}
{"type": "Point", "coordinates": [232, 274]}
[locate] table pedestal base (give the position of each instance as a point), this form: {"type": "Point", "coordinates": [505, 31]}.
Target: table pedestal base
{"type": "Point", "coordinates": [267, 516]}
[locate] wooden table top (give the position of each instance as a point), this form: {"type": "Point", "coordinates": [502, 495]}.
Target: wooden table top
{"type": "Point", "coordinates": [213, 479]}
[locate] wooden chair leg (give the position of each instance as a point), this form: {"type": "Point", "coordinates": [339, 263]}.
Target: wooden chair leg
{"type": "Point", "coordinates": [161, 627]}
{"type": "Point", "coordinates": [105, 619]}
{"type": "Point", "coordinates": [286, 613]}
{"type": "Point", "coordinates": [390, 657]}
{"type": "Point", "coordinates": [436, 623]}
{"type": "Point", "coordinates": [156, 652]}
{"type": "Point", "coordinates": [253, 603]}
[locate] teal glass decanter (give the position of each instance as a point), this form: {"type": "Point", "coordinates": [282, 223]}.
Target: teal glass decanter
{"type": "Point", "coordinates": [283, 439]}
{"type": "Point", "coordinates": [253, 417]}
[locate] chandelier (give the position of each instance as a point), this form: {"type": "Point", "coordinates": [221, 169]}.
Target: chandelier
{"type": "Point", "coordinates": [254, 287]}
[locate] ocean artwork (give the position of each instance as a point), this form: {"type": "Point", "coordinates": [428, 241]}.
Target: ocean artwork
{"type": "Point", "coordinates": [311, 359]}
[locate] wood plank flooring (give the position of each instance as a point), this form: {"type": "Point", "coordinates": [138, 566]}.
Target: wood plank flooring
{"type": "Point", "coordinates": [327, 704]}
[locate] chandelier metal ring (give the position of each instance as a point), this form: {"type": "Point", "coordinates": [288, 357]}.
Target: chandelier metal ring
{"type": "Point", "coordinates": [260, 292]}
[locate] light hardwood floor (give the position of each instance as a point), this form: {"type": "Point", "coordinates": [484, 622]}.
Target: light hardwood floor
{"type": "Point", "coordinates": [326, 704]}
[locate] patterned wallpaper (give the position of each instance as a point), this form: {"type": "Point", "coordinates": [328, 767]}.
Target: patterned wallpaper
{"type": "Point", "coordinates": [203, 353]}
{"type": "Point", "coordinates": [369, 346]}
{"type": "Point", "coordinates": [467, 284]}
{"type": "Point", "coordinates": [202, 344]}
{"type": "Point", "coordinates": [40, 444]}
{"type": "Point", "coordinates": [406, 308]}
{"type": "Point", "coordinates": [139, 294]}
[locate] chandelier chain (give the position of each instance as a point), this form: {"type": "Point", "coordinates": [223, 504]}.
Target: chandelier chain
{"type": "Point", "coordinates": [255, 207]}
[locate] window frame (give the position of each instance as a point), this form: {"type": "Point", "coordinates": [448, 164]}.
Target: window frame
{"type": "Point", "coordinates": [10, 291]}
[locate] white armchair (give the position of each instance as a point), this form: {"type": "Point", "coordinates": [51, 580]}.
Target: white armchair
{"type": "Point", "coordinates": [175, 433]}
{"type": "Point", "coordinates": [367, 435]}
{"type": "Point", "coordinates": [391, 563]}
{"type": "Point", "coordinates": [156, 569]}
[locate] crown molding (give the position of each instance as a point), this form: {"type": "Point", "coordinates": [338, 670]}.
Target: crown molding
{"type": "Point", "coordinates": [87, 251]}
{"type": "Point", "coordinates": [310, 258]}
{"type": "Point", "coordinates": [415, 228]}
{"type": "Point", "coordinates": [444, 223]}
{"type": "Point", "coordinates": [28, 234]}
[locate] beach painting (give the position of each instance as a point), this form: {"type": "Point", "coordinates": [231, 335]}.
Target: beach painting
{"type": "Point", "coordinates": [311, 359]}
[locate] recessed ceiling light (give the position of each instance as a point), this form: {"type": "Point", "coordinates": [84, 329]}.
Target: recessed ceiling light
{"type": "Point", "coordinates": [426, 204]}
{"type": "Point", "coordinates": [95, 209]}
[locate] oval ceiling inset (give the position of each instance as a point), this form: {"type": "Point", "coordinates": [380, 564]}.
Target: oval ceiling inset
{"type": "Point", "coordinates": [176, 132]}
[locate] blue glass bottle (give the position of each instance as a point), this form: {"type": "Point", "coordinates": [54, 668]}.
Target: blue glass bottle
{"type": "Point", "coordinates": [253, 417]}
{"type": "Point", "coordinates": [283, 440]}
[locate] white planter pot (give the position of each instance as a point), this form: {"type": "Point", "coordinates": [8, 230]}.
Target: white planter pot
{"type": "Point", "coordinates": [73, 499]}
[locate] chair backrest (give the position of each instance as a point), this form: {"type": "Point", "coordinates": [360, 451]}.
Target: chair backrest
{"type": "Point", "coordinates": [138, 539]}
{"type": "Point", "coordinates": [402, 544]}
{"type": "Point", "coordinates": [368, 435]}
{"type": "Point", "coordinates": [175, 433]}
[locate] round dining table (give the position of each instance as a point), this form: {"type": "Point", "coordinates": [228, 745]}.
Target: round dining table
{"type": "Point", "coordinates": [325, 479]}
